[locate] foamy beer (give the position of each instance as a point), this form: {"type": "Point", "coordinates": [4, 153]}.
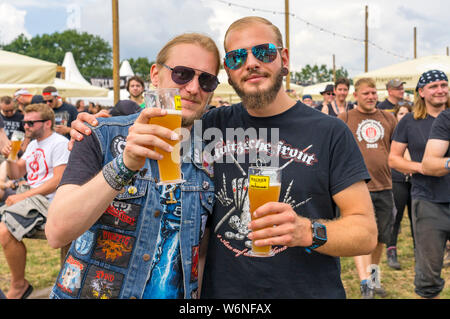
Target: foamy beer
{"type": "Point", "coordinates": [170, 100]}
{"type": "Point", "coordinates": [16, 141]}
{"type": "Point", "coordinates": [264, 186]}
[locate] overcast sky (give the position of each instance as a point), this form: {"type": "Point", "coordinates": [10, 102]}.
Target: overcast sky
{"type": "Point", "coordinates": [145, 25]}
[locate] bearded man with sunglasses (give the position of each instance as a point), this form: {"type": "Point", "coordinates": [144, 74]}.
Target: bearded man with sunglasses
{"type": "Point", "coordinates": [43, 163]}
{"type": "Point", "coordinates": [322, 168]}
{"type": "Point", "coordinates": [134, 238]}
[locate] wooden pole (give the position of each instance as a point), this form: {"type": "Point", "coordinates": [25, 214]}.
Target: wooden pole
{"type": "Point", "coordinates": [366, 42]}
{"type": "Point", "coordinates": [286, 17]}
{"type": "Point", "coordinates": [334, 68]}
{"type": "Point", "coordinates": [415, 43]}
{"type": "Point", "coordinates": [448, 52]}
{"type": "Point", "coordinates": [116, 57]}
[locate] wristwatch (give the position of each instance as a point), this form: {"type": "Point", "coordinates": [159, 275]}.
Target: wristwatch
{"type": "Point", "coordinates": [447, 164]}
{"type": "Point", "coordinates": [319, 236]}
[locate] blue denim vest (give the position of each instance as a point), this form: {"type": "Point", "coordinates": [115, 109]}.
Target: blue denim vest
{"type": "Point", "coordinates": [113, 258]}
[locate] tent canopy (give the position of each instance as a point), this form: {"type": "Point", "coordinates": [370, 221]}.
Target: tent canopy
{"type": "Point", "coordinates": [409, 71]}
{"type": "Point", "coordinates": [20, 69]}
{"type": "Point", "coordinates": [65, 88]}
{"type": "Point", "coordinates": [72, 73]}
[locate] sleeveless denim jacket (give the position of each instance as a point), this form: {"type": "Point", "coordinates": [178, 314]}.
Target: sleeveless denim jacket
{"type": "Point", "coordinates": [113, 258]}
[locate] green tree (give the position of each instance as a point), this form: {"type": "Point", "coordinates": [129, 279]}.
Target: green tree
{"type": "Point", "coordinates": [141, 66]}
{"type": "Point", "coordinates": [92, 54]}
{"type": "Point", "coordinates": [316, 74]}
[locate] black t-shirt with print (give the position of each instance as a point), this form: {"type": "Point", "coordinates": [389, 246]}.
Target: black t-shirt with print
{"type": "Point", "coordinates": [415, 133]}
{"type": "Point", "coordinates": [326, 160]}
{"type": "Point", "coordinates": [13, 123]}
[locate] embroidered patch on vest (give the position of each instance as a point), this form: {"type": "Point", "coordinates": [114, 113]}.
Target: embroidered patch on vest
{"type": "Point", "coordinates": [121, 215]}
{"type": "Point", "coordinates": [84, 243]}
{"type": "Point", "coordinates": [113, 248]}
{"type": "Point", "coordinates": [70, 276]}
{"type": "Point", "coordinates": [118, 145]}
{"type": "Point", "coordinates": [101, 283]}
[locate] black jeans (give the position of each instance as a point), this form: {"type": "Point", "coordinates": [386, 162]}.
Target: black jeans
{"type": "Point", "coordinates": [402, 199]}
{"type": "Point", "coordinates": [432, 230]}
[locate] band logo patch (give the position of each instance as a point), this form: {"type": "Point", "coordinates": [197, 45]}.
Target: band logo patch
{"type": "Point", "coordinates": [69, 280]}
{"type": "Point", "coordinates": [101, 284]}
{"type": "Point", "coordinates": [113, 248]}
{"type": "Point", "coordinates": [194, 268]}
{"type": "Point", "coordinates": [121, 215]}
{"type": "Point", "coordinates": [118, 145]}
{"type": "Point", "coordinates": [84, 243]}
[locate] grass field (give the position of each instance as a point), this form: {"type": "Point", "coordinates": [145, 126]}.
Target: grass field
{"type": "Point", "coordinates": [43, 267]}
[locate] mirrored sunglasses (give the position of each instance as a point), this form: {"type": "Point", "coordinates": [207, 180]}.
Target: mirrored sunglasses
{"type": "Point", "coordinates": [265, 53]}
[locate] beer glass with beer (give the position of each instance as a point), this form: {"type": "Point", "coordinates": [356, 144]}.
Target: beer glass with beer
{"type": "Point", "coordinates": [264, 186]}
{"type": "Point", "coordinates": [17, 138]}
{"type": "Point", "coordinates": [169, 99]}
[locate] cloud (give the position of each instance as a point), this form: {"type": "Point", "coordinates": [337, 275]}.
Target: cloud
{"type": "Point", "coordinates": [12, 23]}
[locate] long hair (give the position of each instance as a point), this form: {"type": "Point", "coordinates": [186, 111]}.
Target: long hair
{"type": "Point", "coordinates": [420, 108]}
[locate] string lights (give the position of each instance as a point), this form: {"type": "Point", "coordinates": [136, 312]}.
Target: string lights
{"type": "Point", "coordinates": [312, 25]}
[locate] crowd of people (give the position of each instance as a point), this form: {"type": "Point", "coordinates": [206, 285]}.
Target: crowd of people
{"type": "Point", "coordinates": [349, 171]}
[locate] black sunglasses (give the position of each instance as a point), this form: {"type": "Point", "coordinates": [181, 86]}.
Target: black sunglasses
{"type": "Point", "coordinates": [183, 74]}
{"type": "Point", "coordinates": [31, 123]}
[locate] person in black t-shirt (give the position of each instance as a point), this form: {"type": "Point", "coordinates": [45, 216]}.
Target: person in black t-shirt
{"type": "Point", "coordinates": [395, 94]}
{"type": "Point", "coordinates": [65, 113]}
{"type": "Point", "coordinates": [11, 118]}
{"type": "Point", "coordinates": [430, 194]}
{"type": "Point", "coordinates": [436, 160]}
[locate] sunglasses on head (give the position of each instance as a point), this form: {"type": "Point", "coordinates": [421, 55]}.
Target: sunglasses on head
{"type": "Point", "coordinates": [266, 53]}
{"type": "Point", "coordinates": [183, 74]}
{"type": "Point", "coordinates": [31, 123]}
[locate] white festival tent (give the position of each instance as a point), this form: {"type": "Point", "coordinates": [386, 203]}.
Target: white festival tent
{"type": "Point", "coordinates": [409, 71]}
{"type": "Point", "coordinates": [19, 64]}
{"type": "Point", "coordinates": [124, 71]}
{"type": "Point", "coordinates": [19, 69]}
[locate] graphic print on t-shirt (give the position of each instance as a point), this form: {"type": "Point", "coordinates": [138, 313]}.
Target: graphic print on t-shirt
{"type": "Point", "coordinates": [233, 194]}
{"type": "Point", "coordinates": [371, 132]}
{"type": "Point", "coordinates": [38, 168]}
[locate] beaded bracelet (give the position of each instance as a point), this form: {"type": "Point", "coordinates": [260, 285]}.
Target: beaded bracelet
{"type": "Point", "coordinates": [116, 174]}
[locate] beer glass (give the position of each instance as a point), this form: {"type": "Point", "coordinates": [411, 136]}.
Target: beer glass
{"type": "Point", "coordinates": [264, 186]}
{"type": "Point", "coordinates": [17, 138]}
{"type": "Point", "coordinates": [61, 118]}
{"type": "Point", "coordinates": [169, 99]}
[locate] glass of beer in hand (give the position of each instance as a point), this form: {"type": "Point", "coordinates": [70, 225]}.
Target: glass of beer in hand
{"type": "Point", "coordinates": [17, 138]}
{"type": "Point", "coordinates": [170, 100]}
{"type": "Point", "coordinates": [264, 186]}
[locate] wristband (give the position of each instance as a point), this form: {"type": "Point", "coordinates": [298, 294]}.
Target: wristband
{"type": "Point", "coordinates": [116, 174]}
{"type": "Point", "coordinates": [447, 164]}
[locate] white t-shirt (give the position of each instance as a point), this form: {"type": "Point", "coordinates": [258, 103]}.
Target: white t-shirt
{"type": "Point", "coordinates": [42, 156]}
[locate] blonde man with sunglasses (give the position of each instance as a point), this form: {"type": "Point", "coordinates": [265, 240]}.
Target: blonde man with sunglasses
{"type": "Point", "coordinates": [43, 163]}
{"type": "Point", "coordinates": [134, 238]}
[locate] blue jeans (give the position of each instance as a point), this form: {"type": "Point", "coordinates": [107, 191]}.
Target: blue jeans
{"type": "Point", "coordinates": [431, 232]}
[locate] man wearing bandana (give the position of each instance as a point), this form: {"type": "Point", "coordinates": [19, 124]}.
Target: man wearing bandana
{"type": "Point", "coordinates": [430, 194]}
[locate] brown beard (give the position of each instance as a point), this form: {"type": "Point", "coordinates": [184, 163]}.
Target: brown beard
{"type": "Point", "coordinates": [261, 98]}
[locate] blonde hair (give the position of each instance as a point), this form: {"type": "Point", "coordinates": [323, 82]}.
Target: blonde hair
{"type": "Point", "coordinates": [420, 108]}
{"type": "Point", "coordinates": [367, 81]}
{"type": "Point", "coordinates": [44, 110]}
{"type": "Point", "coordinates": [246, 21]}
{"type": "Point", "coordinates": [190, 38]}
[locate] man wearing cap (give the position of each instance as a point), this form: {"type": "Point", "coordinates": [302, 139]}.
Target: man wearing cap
{"type": "Point", "coordinates": [395, 94]}
{"type": "Point", "coordinates": [308, 100]}
{"type": "Point", "coordinates": [64, 113]}
{"type": "Point", "coordinates": [430, 194]}
{"type": "Point", "coordinates": [24, 98]}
